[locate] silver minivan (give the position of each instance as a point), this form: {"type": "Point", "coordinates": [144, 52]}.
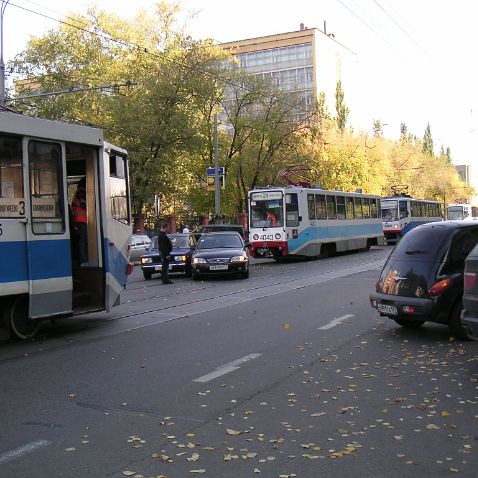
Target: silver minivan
{"type": "Point", "coordinates": [139, 246]}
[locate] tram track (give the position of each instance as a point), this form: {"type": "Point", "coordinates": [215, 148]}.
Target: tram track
{"type": "Point", "coordinates": [242, 290]}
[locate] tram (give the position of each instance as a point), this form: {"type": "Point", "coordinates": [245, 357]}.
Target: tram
{"type": "Point", "coordinates": [296, 221]}
{"type": "Point", "coordinates": [461, 211]}
{"type": "Point", "coordinates": [41, 163]}
{"type": "Point", "coordinates": [402, 213]}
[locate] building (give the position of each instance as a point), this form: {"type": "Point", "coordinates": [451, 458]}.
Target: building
{"type": "Point", "coordinates": [302, 63]}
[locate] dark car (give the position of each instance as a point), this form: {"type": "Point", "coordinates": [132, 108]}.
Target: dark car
{"type": "Point", "coordinates": [220, 253]}
{"type": "Point", "coordinates": [180, 257]}
{"type": "Point", "coordinates": [422, 280]}
{"type": "Point", "coordinates": [470, 294]}
{"type": "Point", "coordinates": [221, 228]}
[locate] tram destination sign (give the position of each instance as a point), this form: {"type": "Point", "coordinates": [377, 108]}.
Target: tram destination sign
{"type": "Point", "coordinates": [265, 195]}
{"type": "Point", "coordinates": [12, 207]}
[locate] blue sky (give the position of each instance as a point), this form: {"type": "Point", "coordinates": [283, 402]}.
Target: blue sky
{"type": "Point", "coordinates": [417, 58]}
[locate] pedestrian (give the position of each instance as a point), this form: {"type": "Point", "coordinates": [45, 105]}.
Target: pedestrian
{"type": "Point", "coordinates": [185, 229]}
{"type": "Point", "coordinates": [80, 221]}
{"type": "Point", "coordinates": [165, 247]}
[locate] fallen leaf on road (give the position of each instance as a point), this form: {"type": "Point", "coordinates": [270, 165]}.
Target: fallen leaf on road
{"type": "Point", "coordinates": [233, 432]}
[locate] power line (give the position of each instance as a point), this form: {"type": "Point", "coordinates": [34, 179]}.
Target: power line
{"type": "Point", "coordinates": [391, 17]}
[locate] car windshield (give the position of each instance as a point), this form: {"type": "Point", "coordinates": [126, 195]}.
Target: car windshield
{"type": "Point", "coordinates": [179, 241]}
{"type": "Point", "coordinates": [420, 241]}
{"type": "Point", "coordinates": [215, 241]}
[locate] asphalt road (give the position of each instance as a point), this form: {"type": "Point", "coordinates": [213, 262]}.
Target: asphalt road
{"type": "Point", "coordinates": [288, 373]}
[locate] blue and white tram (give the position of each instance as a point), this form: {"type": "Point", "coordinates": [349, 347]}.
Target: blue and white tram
{"type": "Point", "coordinates": [461, 211]}
{"type": "Point", "coordinates": [41, 162]}
{"type": "Point", "coordinates": [402, 213]}
{"type": "Point", "coordinates": [308, 222]}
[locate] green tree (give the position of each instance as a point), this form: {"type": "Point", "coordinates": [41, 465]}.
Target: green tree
{"type": "Point", "coordinates": [427, 145]}
{"type": "Point", "coordinates": [341, 109]}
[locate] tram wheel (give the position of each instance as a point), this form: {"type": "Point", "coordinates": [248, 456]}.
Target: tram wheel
{"type": "Point", "coordinates": [22, 327]}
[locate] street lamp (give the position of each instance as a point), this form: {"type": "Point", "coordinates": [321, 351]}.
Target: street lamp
{"type": "Point", "coordinates": [2, 64]}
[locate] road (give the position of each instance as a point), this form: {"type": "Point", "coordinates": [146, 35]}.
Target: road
{"type": "Point", "coordinates": [289, 373]}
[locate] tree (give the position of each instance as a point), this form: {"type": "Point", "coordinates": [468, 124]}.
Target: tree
{"type": "Point", "coordinates": [427, 145]}
{"type": "Point", "coordinates": [341, 109]}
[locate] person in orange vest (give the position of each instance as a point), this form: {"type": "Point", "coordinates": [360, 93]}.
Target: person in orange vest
{"type": "Point", "coordinates": [271, 218]}
{"type": "Point", "coordinates": [80, 219]}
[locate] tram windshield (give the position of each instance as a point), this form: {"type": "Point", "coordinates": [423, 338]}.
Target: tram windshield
{"type": "Point", "coordinates": [389, 211]}
{"type": "Point", "coordinates": [456, 212]}
{"type": "Point", "coordinates": [266, 210]}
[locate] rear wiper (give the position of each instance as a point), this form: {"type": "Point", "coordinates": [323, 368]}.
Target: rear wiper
{"type": "Point", "coordinates": [416, 251]}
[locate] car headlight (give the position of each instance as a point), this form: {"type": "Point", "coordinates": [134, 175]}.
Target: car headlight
{"type": "Point", "coordinates": [239, 259]}
{"type": "Point", "coordinates": [146, 260]}
{"type": "Point", "coordinates": [199, 260]}
{"type": "Point", "coordinates": [180, 258]}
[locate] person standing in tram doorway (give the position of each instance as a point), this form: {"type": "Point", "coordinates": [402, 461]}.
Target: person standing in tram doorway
{"type": "Point", "coordinates": [165, 247]}
{"type": "Point", "coordinates": [80, 219]}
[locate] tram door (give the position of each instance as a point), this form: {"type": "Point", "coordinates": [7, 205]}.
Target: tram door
{"type": "Point", "coordinates": [47, 230]}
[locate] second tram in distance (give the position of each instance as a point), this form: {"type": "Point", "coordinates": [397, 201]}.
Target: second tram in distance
{"type": "Point", "coordinates": [295, 221]}
{"type": "Point", "coordinates": [402, 213]}
{"type": "Point", "coordinates": [461, 211]}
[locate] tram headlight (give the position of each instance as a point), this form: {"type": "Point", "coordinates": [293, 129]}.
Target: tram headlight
{"type": "Point", "coordinates": [255, 237]}
{"type": "Point", "coordinates": [395, 226]}
{"type": "Point", "coordinates": [277, 236]}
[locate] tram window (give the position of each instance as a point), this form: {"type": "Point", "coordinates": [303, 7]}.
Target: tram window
{"type": "Point", "coordinates": [12, 203]}
{"type": "Point", "coordinates": [349, 203]}
{"type": "Point", "coordinates": [119, 189]}
{"type": "Point", "coordinates": [46, 179]}
{"type": "Point", "coordinates": [340, 207]}
{"type": "Point", "coordinates": [320, 206]}
{"type": "Point", "coordinates": [311, 206]}
{"type": "Point", "coordinates": [374, 208]}
{"type": "Point", "coordinates": [331, 207]}
{"type": "Point", "coordinates": [403, 209]}
{"type": "Point", "coordinates": [358, 208]}
{"type": "Point", "coordinates": [366, 208]}
{"type": "Point", "coordinates": [292, 210]}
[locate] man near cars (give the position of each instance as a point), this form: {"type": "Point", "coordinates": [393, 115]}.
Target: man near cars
{"type": "Point", "coordinates": [165, 247]}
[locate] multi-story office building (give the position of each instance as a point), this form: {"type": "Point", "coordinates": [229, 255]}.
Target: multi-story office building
{"type": "Point", "coordinates": [302, 63]}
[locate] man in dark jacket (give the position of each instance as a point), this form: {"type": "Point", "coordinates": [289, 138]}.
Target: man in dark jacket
{"type": "Point", "coordinates": [165, 247]}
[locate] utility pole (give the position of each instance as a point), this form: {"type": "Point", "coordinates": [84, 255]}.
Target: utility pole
{"type": "Point", "coordinates": [217, 186]}
{"type": "Point", "coordinates": [2, 64]}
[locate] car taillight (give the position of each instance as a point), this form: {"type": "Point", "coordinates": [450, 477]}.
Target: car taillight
{"type": "Point", "coordinates": [470, 280]}
{"type": "Point", "coordinates": [439, 287]}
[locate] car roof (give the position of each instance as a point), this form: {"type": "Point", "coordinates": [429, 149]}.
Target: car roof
{"type": "Point", "coordinates": [457, 224]}
{"type": "Point", "coordinates": [221, 233]}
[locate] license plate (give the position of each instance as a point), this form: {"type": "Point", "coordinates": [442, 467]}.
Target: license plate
{"type": "Point", "coordinates": [157, 268]}
{"type": "Point", "coordinates": [387, 309]}
{"type": "Point", "coordinates": [219, 267]}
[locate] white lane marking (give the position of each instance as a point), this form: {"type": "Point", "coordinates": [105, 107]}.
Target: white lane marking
{"type": "Point", "coordinates": [23, 450]}
{"type": "Point", "coordinates": [336, 321]}
{"type": "Point", "coordinates": [226, 368]}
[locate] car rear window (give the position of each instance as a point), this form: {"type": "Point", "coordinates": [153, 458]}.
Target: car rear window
{"type": "Point", "coordinates": [421, 241]}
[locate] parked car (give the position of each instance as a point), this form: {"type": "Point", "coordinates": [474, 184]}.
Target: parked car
{"type": "Point", "coordinates": [139, 245]}
{"type": "Point", "coordinates": [470, 294]}
{"type": "Point", "coordinates": [422, 280]}
{"type": "Point", "coordinates": [180, 257]}
{"type": "Point", "coordinates": [220, 253]}
{"type": "Point", "coordinates": [221, 228]}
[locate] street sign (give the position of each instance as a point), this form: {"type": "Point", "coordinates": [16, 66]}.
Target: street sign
{"type": "Point", "coordinates": [210, 171]}
{"type": "Point", "coordinates": [211, 181]}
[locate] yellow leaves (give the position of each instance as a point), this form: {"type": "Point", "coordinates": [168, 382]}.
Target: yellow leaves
{"type": "Point", "coordinates": [286, 326]}
{"type": "Point", "coordinates": [193, 457]}
{"type": "Point", "coordinates": [432, 426]}
{"type": "Point", "coordinates": [70, 449]}
{"type": "Point", "coordinates": [198, 472]}
{"type": "Point", "coordinates": [309, 456]}
{"type": "Point", "coordinates": [444, 413]}
{"type": "Point", "coordinates": [129, 473]}
{"type": "Point", "coordinates": [318, 414]}
{"type": "Point", "coordinates": [166, 458]}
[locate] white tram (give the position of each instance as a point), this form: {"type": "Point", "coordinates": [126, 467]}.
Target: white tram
{"type": "Point", "coordinates": [308, 222]}
{"type": "Point", "coordinates": [402, 213]}
{"type": "Point", "coordinates": [41, 162]}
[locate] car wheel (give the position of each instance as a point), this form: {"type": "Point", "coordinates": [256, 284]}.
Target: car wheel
{"type": "Point", "coordinates": [455, 324]}
{"type": "Point", "coordinates": [147, 275]}
{"type": "Point", "coordinates": [410, 324]}
{"type": "Point", "coordinates": [195, 275]}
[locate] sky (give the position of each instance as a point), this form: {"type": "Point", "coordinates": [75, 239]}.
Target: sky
{"type": "Point", "coordinates": [416, 59]}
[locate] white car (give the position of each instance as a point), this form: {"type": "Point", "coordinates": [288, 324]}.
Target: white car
{"type": "Point", "coordinates": [139, 246]}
